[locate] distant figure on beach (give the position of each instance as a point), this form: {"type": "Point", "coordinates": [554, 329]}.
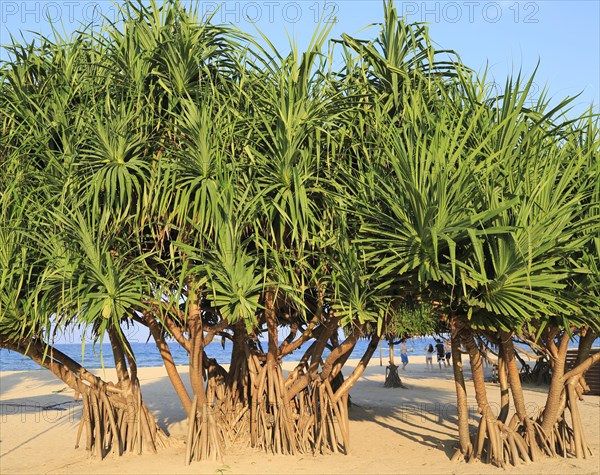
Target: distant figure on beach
{"type": "Point", "coordinates": [448, 349]}
{"type": "Point", "coordinates": [429, 357]}
{"type": "Point", "coordinates": [441, 355]}
{"type": "Point", "coordinates": [404, 354]}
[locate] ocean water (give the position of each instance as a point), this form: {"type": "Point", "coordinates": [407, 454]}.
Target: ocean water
{"type": "Point", "coordinates": [146, 354]}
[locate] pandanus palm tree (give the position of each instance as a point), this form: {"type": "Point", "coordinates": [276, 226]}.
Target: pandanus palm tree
{"type": "Point", "coordinates": [186, 177]}
{"type": "Point", "coordinates": [520, 278]}
{"type": "Point", "coordinates": [478, 211]}
{"type": "Point", "coordinates": [57, 137]}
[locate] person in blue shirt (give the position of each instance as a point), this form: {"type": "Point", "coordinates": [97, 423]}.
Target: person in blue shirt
{"type": "Point", "coordinates": [403, 353]}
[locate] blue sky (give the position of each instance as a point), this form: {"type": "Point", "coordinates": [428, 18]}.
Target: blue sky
{"type": "Point", "coordinates": [504, 35]}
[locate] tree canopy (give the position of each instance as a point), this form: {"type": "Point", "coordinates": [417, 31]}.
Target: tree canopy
{"type": "Point", "coordinates": [168, 172]}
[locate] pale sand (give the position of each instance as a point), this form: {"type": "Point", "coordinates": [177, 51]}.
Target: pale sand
{"type": "Point", "coordinates": [392, 430]}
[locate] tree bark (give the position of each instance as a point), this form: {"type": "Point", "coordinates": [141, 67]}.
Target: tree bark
{"type": "Point", "coordinates": [586, 340]}
{"type": "Point", "coordinates": [504, 391]}
{"type": "Point", "coordinates": [118, 354]}
{"type": "Point", "coordinates": [517, 392]}
{"type": "Point", "coordinates": [478, 378]}
{"type": "Point", "coordinates": [170, 367]}
{"type": "Point", "coordinates": [461, 391]}
{"type": "Point", "coordinates": [359, 370]}
{"type": "Point", "coordinates": [552, 407]}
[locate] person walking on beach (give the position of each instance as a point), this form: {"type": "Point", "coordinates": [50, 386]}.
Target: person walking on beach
{"type": "Point", "coordinates": [429, 357]}
{"type": "Point", "coordinates": [441, 355]}
{"type": "Point", "coordinates": [448, 349]}
{"type": "Point", "coordinates": [403, 354]}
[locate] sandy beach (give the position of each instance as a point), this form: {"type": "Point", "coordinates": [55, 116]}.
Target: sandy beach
{"type": "Point", "coordinates": [392, 430]}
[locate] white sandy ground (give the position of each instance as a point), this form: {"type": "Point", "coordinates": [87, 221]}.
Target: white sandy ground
{"type": "Point", "coordinates": [409, 431]}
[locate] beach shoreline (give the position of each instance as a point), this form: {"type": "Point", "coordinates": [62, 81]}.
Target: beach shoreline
{"type": "Point", "coordinates": [392, 430]}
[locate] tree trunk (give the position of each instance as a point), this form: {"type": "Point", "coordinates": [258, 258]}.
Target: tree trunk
{"type": "Point", "coordinates": [118, 354]}
{"type": "Point", "coordinates": [586, 340]}
{"type": "Point", "coordinates": [114, 416]}
{"type": "Point", "coordinates": [466, 448]}
{"type": "Point", "coordinates": [169, 363]}
{"type": "Point", "coordinates": [532, 429]}
{"type": "Point", "coordinates": [360, 368]}
{"type": "Point", "coordinates": [499, 442]}
{"type": "Point", "coordinates": [504, 390]}
{"type": "Point", "coordinates": [271, 420]}
{"type": "Point", "coordinates": [204, 439]}
{"type": "Point", "coordinates": [559, 356]}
